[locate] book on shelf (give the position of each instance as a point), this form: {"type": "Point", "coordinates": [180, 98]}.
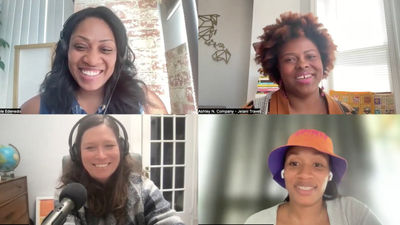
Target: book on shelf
{"type": "Point", "coordinates": [384, 103]}
{"type": "Point", "coordinates": [367, 102]}
{"type": "Point", "coordinates": [266, 89]}
{"type": "Point", "coordinates": [266, 85]}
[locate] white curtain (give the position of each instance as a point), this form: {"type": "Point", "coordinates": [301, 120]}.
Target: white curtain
{"type": "Point", "coordinates": [392, 12]}
{"type": "Point", "coordinates": [359, 30]}
{"type": "Point", "coordinates": [27, 22]}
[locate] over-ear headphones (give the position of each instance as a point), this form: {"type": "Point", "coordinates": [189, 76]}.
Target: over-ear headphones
{"type": "Point", "coordinates": [74, 149]}
{"type": "Point", "coordinates": [283, 173]}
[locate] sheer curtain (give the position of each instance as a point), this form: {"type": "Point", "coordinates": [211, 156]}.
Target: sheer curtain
{"type": "Point", "coordinates": [27, 22]}
{"type": "Point", "coordinates": [392, 12]}
{"type": "Point", "coordinates": [358, 28]}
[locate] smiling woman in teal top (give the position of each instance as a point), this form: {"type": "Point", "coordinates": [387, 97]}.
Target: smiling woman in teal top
{"type": "Point", "coordinates": [93, 70]}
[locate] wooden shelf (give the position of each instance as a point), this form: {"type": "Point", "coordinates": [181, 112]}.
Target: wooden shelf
{"type": "Point", "coordinates": [14, 201]}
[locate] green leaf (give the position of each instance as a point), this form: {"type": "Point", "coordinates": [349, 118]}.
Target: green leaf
{"type": "Point", "coordinates": [2, 65]}
{"type": "Point", "coordinates": [4, 43]}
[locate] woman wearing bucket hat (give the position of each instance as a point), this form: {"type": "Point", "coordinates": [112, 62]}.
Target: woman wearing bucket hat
{"type": "Point", "coordinates": [310, 171]}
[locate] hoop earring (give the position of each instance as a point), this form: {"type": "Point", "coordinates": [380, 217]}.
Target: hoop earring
{"type": "Point", "coordinates": [322, 93]}
{"type": "Point", "coordinates": [330, 177]}
{"type": "Point", "coordinates": [283, 173]}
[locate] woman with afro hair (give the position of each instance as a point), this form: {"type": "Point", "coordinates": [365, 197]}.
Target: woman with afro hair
{"type": "Point", "coordinates": [297, 53]}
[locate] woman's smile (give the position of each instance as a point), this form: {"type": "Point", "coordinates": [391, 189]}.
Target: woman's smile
{"type": "Point", "coordinates": [91, 73]}
{"type": "Point", "coordinates": [305, 189]}
{"type": "Point", "coordinates": [101, 165]}
{"type": "Point", "coordinates": [300, 67]}
{"type": "Point", "coordinates": [305, 78]}
{"type": "Point", "coordinates": [306, 175]}
{"type": "Point", "coordinates": [92, 54]}
{"type": "Point", "coordinates": [100, 152]}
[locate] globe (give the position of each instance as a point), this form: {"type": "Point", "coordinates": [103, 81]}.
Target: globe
{"type": "Point", "coordinates": [9, 158]}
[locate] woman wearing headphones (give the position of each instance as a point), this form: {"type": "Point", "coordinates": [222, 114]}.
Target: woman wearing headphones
{"type": "Point", "coordinates": [93, 71]}
{"type": "Point", "coordinates": [310, 171]}
{"type": "Point", "coordinates": [117, 193]}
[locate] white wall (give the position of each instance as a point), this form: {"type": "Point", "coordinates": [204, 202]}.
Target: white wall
{"type": "Point", "coordinates": [266, 12]}
{"type": "Point", "coordinates": [43, 141]}
{"type": "Point", "coordinates": [223, 84]}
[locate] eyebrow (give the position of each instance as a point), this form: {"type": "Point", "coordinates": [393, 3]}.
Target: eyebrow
{"type": "Point", "coordinates": [86, 39]}
{"type": "Point", "coordinates": [311, 50]}
{"type": "Point", "coordinates": [104, 141]}
{"type": "Point", "coordinates": [292, 53]}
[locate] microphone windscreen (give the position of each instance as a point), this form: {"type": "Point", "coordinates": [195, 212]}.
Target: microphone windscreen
{"type": "Point", "coordinates": [76, 192]}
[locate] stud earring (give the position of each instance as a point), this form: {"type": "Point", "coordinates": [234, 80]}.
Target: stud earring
{"type": "Point", "coordinates": [330, 177]}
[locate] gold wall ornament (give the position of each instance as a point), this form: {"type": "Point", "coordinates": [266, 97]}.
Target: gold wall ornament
{"type": "Point", "coordinates": [207, 29]}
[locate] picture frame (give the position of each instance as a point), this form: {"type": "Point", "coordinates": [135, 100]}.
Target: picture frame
{"type": "Point", "coordinates": [31, 64]}
{"type": "Point", "coordinates": [44, 205]}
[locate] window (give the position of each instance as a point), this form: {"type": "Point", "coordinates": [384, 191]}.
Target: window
{"type": "Point", "coordinates": [167, 158]}
{"type": "Point", "coordinates": [358, 28]}
{"type": "Point", "coordinates": [169, 155]}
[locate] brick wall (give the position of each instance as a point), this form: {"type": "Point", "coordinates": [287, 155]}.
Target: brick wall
{"type": "Point", "coordinates": [180, 80]}
{"type": "Point", "coordinates": [142, 21]}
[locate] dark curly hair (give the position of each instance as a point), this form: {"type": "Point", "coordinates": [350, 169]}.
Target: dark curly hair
{"type": "Point", "coordinates": [288, 27]}
{"type": "Point", "coordinates": [59, 87]}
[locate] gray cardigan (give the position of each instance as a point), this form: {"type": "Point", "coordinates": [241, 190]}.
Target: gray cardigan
{"type": "Point", "coordinates": [145, 206]}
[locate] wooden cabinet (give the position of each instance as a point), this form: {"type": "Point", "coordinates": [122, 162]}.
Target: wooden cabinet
{"type": "Point", "coordinates": [14, 201]}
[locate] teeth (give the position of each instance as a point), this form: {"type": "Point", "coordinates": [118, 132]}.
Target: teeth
{"type": "Point", "coordinates": [305, 188]}
{"type": "Point", "coordinates": [101, 165]}
{"type": "Point", "coordinates": [91, 72]}
{"type": "Point", "coordinates": [303, 76]}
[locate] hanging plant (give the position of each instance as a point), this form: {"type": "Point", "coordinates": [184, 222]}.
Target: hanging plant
{"type": "Point", "coordinates": [3, 44]}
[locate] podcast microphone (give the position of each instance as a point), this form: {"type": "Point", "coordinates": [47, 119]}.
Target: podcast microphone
{"type": "Point", "coordinates": [72, 197]}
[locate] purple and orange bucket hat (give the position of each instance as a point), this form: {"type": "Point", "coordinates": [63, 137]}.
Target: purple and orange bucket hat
{"type": "Point", "coordinates": [310, 138]}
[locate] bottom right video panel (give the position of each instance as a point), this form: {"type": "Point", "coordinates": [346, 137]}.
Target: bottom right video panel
{"type": "Point", "coordinates": [254, 169]}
